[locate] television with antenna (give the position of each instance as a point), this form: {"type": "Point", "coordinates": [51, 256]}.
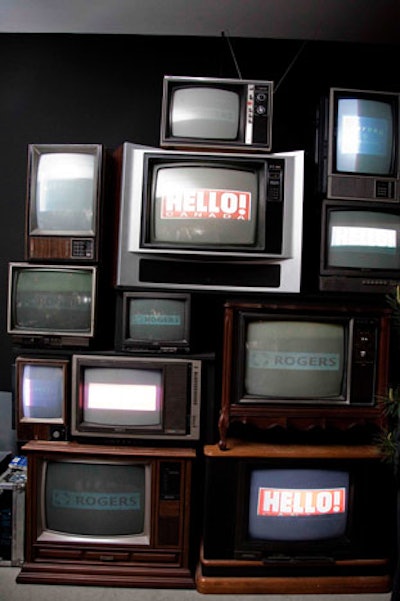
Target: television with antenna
{"type": "Point", "coordinates": [42, 398]}
{"type": "Point", "coordinates": [118, 397]}
{"type": "Point", "coordinates": [63, 203]}
{"type": "Point", "coordinates": [104, 515]}
{"type": "Point", "coordinates": [360, 247]}
{"type": "Point", "coordinates": [305, 366]}
{"type": "Point", "coordinates": [359, 145]}
{"type": "Point", "coordinates": [52, 305]}
{"type": "Point", "coordinates": [216, 113]}
{"type": "Point", "coordinates": [286, 518]}
{"type": "Point", "coordinates": [153, 321]}
{"type": "Point", "coordinates": [209, 221]}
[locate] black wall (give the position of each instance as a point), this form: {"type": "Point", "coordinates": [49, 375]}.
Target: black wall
{"type": "Point", "coordinates": [107, 89]}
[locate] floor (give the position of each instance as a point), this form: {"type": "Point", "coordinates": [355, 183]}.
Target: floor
{"type": "Point", "coordinates": [11, 591]}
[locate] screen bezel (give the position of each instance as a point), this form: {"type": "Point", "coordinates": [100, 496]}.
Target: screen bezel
{"type": "Point", "coordinates": [326, 269]}
{"type": "Point", "coordinates": [237, 366]}
{"type": "Point", "coordinates": [142, 540]}
{"type": "Point", "coordinates": [337, 546]}
{"type": "Point", "coordinates": [20, 364]}
{"type": "Point", "coordinates": [12, 329]}
{"type": "Point", "coordinates": [269, 241]}
{"type": "Point", "coordinates": [35, 152]}
{"type": "Point", "coordinates": [136, 343]}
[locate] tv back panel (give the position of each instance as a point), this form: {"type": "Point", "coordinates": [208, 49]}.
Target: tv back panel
{"type": "Point", "coordinates": [216, 113]}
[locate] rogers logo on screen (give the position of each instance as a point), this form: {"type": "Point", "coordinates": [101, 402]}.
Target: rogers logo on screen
{"type": "Point", "coordinates": [291, 502]}
{"type": "Point", "coordinates": [204, 203]}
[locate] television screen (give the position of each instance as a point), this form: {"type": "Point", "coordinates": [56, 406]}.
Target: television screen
{"type": "Point", "coordinates": [216, 113]}
{"type": "Point", "coordinates": [42, 392]}
{"type": "Point", "coordinates": [296, 360]}
{"type": "Point", "coordinates": [360, 247]}
{"type": "Point", "coordinates": [91, 499]}
{"type": "Point", "coordinates": [122, 397]}
{"type": "Point", "coordinates": [366, 133]}
{"type": "Point", "coordinates": [200, 205]}
{"type": "Point", "coordinates": [205, 112]}
{"type": "Point", "coordinates": [51, 300]}
{"type": "Point", "coordinates": [298, 504]}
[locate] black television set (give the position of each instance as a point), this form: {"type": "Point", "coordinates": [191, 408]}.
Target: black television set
{"type": "Point", "coordinates": [360, 247]}
{"type": "Point", "coordinates": [51, 305]}
{"type": "Point", "coordinates": [359, 145]}
{"type": "Point", "coordinates": [64, 202]}
{"type": "Point", "coordinates": [209, 221]}
{"type": "Point", "coordinates": [118, 397]}
{"type": "Point", "coordinates": [216, 113]}
{"type": "Point", "coordinates": [305, 365]}
{"type": "Point", "coordinates": [42, 398]}
{"type": "Point", "coordinates": [284, 518]}
{"type": "Point", "coordinates": [108, 516]}
{"type": "Point", "coordinates": [153, 321]}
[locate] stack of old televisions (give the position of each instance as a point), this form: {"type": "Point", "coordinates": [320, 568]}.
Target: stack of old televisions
{"type": "Point", "coordinates": [297, 497]}
{"type": "Point", "coordinates": [108, 493]}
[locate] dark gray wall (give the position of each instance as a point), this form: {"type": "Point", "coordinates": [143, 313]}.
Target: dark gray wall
{"type": "Point", "coordinates": [107, 89]}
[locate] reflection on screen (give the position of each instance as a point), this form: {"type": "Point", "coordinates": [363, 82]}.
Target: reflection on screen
{"type": "Point", "coordinates": [202, 112]}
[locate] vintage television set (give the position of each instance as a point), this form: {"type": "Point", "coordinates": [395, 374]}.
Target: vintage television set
{"type": "Point", "coordinates": [52, 305]}
{"type": "Point", "coordinates": [284, 518]}
{"type": "Point", "coordinates": [153, 321]}
{"type": "Point", "coordinates": [215, 221]}
{"type": "Point", "coordinates": [118, 397]}
{"type": "Point", "coordinates": [108, 516]}
{"type": "Point", "coordinates": [305, 366]}
{"type": "Point", "coordinates": [41, 401]}
{"type": "Point", "coordinates": [64, 202]}
{"type": "Point", "coordinates": [216, 113]}
{"type": "Point", "coordinates": [359, 145]}
{"type": "Point", "coordinates": [360, 246]}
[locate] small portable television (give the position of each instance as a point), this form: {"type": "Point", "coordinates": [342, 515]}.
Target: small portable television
{"type": "Point", "coordinates": [128, 397]}
{"type": "Point", "coordinates": [297, 517]}
{"type": "Point", "coordinates": [304, 366]}
{"type": "Point", "coordinates": [63, 204]}
{"type": "Point", "coordinates": [41, 398]}
{"type": "Point", "coordinates": [359, 145]}
{"type": "Point", "coordinates": [51, 305]}
{"type": "Point", "coordinates": [216, 113]}
{"type": "Point", "coordinates": [209, 221]}
{"type": "Point", "coordinates": [104, 514]}
{"type": "Point", "coordinates": [153, 321]}
{"type": "Point", "coordinates": [360, 246]}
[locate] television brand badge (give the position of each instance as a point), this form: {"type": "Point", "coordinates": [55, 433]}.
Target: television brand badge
{"type": "Point", "coordinates": [204, 203]}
